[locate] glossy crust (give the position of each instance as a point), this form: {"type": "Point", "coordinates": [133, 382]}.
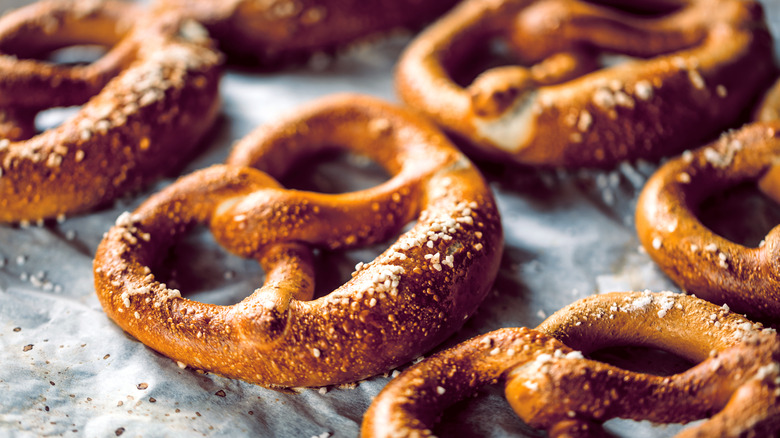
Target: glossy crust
{"type": "Point", "coordinates": [552, 386]}
{"type": "Point", "coordinates": [146, 103]}
{"type": "Point", "coordinates": [697, 259]}
{"type": "Point", "coordinates": [404, 302]}
{"type": "Point", "coordinates": [768, 108]}
{"type": "Point", "coordinates": [698, 67]}
{"type": "Point", "coordinates": [275, 32]}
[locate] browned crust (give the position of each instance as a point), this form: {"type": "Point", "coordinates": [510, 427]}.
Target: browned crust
{"type": "Point", "coordinates": [555, 388]}
{"type": "Point", "coordinates": [404, 302]}
{"type": "Point", "coordinates": [768, 108]}
{"type": "Point", "coordinates": [276, 32]}
{"type": "Point", "coordinates": [157, 94]}
{"type": "Point", "coordinates": [697, 259]}
{"type": "Point", "coordinates": [705, 63]}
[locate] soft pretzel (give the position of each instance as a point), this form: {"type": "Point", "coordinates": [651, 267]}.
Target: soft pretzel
{"type": "Point", "coordinates": [146, 103]}
{"type": "Point", "coordinates": [697, 259]}
{"type": "Point", "coordinates": [405, 301]}
{"type": "Point", "coordinates": [551, 385]}
{"type": "Point", "coordinates": [699, 66]}
{"type": "Point", "coordinates": [279, 31]}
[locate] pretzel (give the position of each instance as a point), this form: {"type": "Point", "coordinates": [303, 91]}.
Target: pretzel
{"type": "Point", "coordinates": [277, 32]}
{"type": "Point", "coordinates": [696, 258]}
{"type": "Point", "coordinates": [701, 65]}
{"type": "Point", "coordinates": [146, 103]}
{"type": "Point", "coordinates": [551, 385]}
{"type": "Point", "coordinates": [407, 300]}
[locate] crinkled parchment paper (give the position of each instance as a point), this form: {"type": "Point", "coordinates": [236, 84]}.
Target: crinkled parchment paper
{"type": "Point", "coordinates": [67, 370]}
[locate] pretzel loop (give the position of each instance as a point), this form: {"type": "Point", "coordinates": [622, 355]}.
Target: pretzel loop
{"type": "Point", "coordinates": [689, 83]}
{"type": "Point", "coordinates": [554, 387]}
{"type": "Point", "coordinates": [48, 26]}
{"type": "Point", "coordinates": [407, 300]}
{"type": "Point", "coordinates": [155, 89]}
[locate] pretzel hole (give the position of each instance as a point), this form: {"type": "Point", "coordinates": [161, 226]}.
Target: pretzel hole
{"type": "Point", "coordinates": [50, 118]}
{"type": "Point", "coordinates": [76, 55]}
{"type": "Point", "coordinates": [486, 55]}
{"type": "Point", "coordinates": [204, 271]}
{"type": "Point", "coordinates": [466, 418]}
{"type": "Point", "coordinates": [620, 427]}
{"type": "Point", "coordinates": [741, 214]}
{"type": "Point", "coordinates": [335, 171]}
{"type": "Point", "coordinates": [334, 268]}
{"type": "Point", "coordinates": [646, 360]}
{"type": "Point", "coordinates": [656, 8]}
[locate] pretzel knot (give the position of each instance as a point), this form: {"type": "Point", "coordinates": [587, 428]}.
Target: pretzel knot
{"type": "Point", "coordinates": [153, 92]}
{"type": "Point", "coordinates": [405, 301]}
{"type": "Point", "coordinates": [551, 385]}
{"type": "Point", "coordinates": [698, 65]}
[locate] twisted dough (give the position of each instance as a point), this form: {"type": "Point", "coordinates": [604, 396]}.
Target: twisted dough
{"type": "Point", "coordinates": [279, 31]}
{"type": "Point", "coordinates": [552, 386]}
{"type": "Point", "coordinates": [146, 103]}
{"type": "Point", "coordinates": [404, 302]}
{"type": "Point", "coordinates": [700, 66]}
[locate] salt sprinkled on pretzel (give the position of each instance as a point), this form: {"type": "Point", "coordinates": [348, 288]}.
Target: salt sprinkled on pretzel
{"type": "Point", "coordinates": [404, 302]}
{"type": "Point", "coordinates": [153, 92]}
{"type": "Point", "coordinates": [697, 67]}
{"type": "Point", "coordinates": [553, 386]}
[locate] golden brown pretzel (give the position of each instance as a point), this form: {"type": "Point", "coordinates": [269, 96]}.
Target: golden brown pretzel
{"type": "Point", "coordinates": [704, 63]}
{"type": "Point", "coordinates": [552, 386]}
{"type": "Point", "coordinates": [146, 103]}
{"type": "Point", "coordinates": [697, 259]}
{"type": "Point", "coordinates": [404, 302]}
{"type": "Point", "coordinates": [279, 31]}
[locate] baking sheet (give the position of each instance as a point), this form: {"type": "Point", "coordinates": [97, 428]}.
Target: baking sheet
{"type": "Point", "coordinates": [66, 370]}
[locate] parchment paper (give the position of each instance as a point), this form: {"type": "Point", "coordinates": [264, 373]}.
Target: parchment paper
{"type": "Point", "coordinates": [67, 370]}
